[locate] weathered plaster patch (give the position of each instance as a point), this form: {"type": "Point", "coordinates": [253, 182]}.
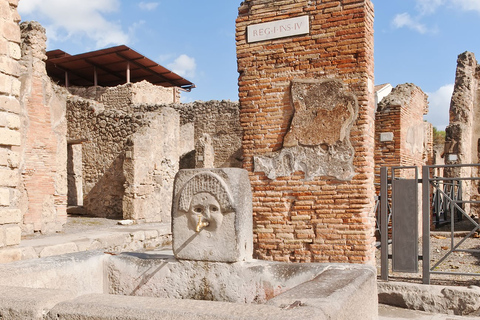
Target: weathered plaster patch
{"type": "Point", "coordinates": [318, 141]}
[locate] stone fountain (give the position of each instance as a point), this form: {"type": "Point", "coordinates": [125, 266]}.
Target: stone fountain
{"type": "Point", "coordinates": [210, 275]}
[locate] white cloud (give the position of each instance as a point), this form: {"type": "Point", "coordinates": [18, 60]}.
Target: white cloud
{"type": "Point", "coordinates": [439, 106]}
{"type": "Point", "coordinates": [428, 6]}
{"type": "Point", "coordinates": [405, 20]}
{"type": "Point", "coordinates": [78, 18]}
{"type": "Point", "coordinates": [467, 5]}
{"type": "Point", "coordinates": [184, 66]}
{"type": "Point", "coordinates": [149, 6]}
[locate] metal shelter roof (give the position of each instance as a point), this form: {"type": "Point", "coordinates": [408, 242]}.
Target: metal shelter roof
{"type": "Point", "coordinates": [110, 67]}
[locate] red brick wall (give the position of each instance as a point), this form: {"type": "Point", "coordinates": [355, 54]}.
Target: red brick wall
{"type": "Point", "coordinates": [44, 165]}
{"type": "Point", "coordinates": [323, 220]}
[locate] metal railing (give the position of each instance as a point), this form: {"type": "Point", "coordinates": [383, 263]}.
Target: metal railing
{"type": "Point", "coordinates": [456, 205]}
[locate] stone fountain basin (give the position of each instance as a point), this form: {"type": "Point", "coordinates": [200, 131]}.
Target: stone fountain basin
{"type": "Point", "coordinates": [96, 285]}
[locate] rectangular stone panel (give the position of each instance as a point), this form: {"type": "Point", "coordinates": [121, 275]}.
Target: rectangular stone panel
{"type": "Point", "coordinates": [212, 215]}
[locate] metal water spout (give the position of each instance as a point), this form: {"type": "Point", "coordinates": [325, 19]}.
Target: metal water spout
{"type": "Point", "coordinates": [201, 223]}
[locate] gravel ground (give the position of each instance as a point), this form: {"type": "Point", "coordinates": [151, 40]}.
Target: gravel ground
{"type": "Point", "coordinates": [458, 262]}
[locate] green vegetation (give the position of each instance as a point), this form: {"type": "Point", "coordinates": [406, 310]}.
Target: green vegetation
{"type": "Point", "coordinates": [438, 136]}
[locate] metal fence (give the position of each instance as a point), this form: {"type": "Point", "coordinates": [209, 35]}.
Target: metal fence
{"type": "Point", "coordinates": [443, 203]}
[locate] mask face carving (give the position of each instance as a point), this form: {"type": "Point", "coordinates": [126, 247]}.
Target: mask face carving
{"type": "Point", "coordinates": [211, 218]}
{"type": "Point", "coordinates": [204, 213]}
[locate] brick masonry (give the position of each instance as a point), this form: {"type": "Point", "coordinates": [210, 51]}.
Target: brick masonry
{"type": "Point", "coordinates": [322, 220]}
{"type": "Point", "coordinates": [44, 166]}
{"type": "Point", "coordinates": [407, 137]}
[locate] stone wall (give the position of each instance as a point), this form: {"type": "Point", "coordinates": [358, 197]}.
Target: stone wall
{"type": "Point", "coordinates": [462, 144]}
{"type": "Point", "coordinates": [115, 186]}
{"type": "Point", "coordinates": [219, 120]}
{"type": "Point", "coordinates": [306, 108]}
{"type": "Point", "coordinates": [151, 162]}
{"type": "Point", "coordinates": [103, 134]}
{"type": "Point", "coordinates": [10, 124]}
{"type": "Point", "coordinates": [43, 196]}
{"type": "Point", "coordinates": [123, 97]}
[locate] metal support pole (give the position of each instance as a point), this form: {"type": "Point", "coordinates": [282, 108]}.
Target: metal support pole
{"type": "Point", "coordinates": [426, 223]}
{"type": "Point", "coordinates": [128, 72]}
{"type": "Point", "coordinates": [384, 222]}
{"type": "Point", "coordinates": [95, 77]}
{"type": "Point", "coordinates": [67, 84]}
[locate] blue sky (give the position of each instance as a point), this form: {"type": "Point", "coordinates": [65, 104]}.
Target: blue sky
{"type": "Point", "coordinates": [416, 41]}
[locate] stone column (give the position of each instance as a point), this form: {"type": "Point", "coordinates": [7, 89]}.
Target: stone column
{"type": "Point", "coordinates": [10, 124]}
{"type": "Point", "coordinates": [306, 107]}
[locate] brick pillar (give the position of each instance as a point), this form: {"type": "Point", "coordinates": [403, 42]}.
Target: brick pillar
{"type": "Point", "coordinates": [44, 166]}
{"type": "Point", "coordinates": [307, 103]}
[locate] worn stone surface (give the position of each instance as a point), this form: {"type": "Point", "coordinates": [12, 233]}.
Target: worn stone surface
{"type": "Point", "coordinates": [29, 303]}
{"type": "Point", "coordinates": [212, 215]}
{"type": "Point", "coordinates": [324, 113]}
{"type": "Point", "coordinates": [318, 141]}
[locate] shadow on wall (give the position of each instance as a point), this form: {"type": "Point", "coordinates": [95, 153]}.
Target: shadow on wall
{"type": "Point", "coordinates": [105, 198]}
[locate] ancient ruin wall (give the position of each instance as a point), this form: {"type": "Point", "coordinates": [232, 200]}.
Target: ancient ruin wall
{"type": "Point", "coordinates": [313, 196]}
{"type": "Point", "coordinates": [102, 135]}
{"type": "Point", "coordinates": [124, 97]}
{"type": "Point", "coordinates": [401, 135]}
{"type": "Point", "coordinates": [104, 132]}
{"type": "Point", "coordinates": [463, 133]}
{"type": "Point", "coordinates": [151, 162]}
{"type": "Point", "coordinates": [44, 164]}
{"type": "Point", "coordinates": [220, 120]}
{"type": "Point", "coordinates": [10, 124]}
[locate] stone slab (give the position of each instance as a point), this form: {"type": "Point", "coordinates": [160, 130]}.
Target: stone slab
{"type": "Point", "coordinates": [29, 303]}
{"type": "Point", "coordinates": [341, 293]}
{"type": "Point", "coordinates": [430, 298]}
{"type": "Point", "coordinates": [103, 307]}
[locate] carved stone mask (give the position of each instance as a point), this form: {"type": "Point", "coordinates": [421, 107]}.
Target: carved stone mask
{"type": "Point", "coordinates": [204, 213]}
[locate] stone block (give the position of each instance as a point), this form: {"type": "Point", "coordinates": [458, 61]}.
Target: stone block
{"type": "Point", "coordinates": [13, 235]}
{"type": "Point", "coordinates": [8, 178]}
{"type": "Point", "coordinates": [14, 50]}
{"type": "Point", "coordinates": [10, 137]}
{"type": "Point", "coordinates": [29, 303]}
{"type": "Point", "coordinates": [212, 215]}
{"type": "Point", "coordinates": [9, 66]}
{"type": "Point", "coordinates": [10, 215]}
{"type": "Point", "coordinates": [8, 255]}
{"type": "Point", "coordinates": [4, 197]}
{"type": "Point", "coordinates": [58, 249]}
{"type": "Point", "coordinates": [9, 103]}
{"type": "Point", "coordinates": [11, 31]}
{"type": "Point", "coordinates": [13, 121]}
